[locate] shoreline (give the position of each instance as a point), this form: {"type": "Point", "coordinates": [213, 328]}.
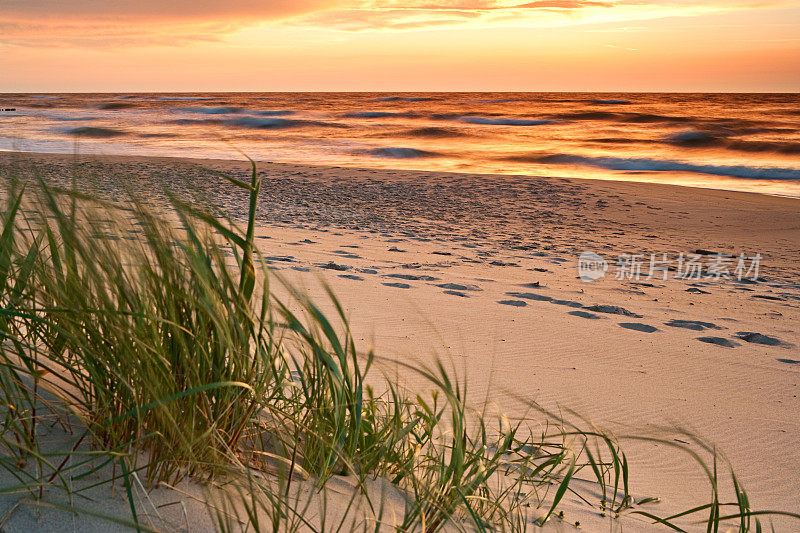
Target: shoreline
{"type": "Point", "coordinates": [231, 163]}
{"type": "Point", "coordinates": [744, 219]}
{"type": "Point", "coordinates": [690, 181]}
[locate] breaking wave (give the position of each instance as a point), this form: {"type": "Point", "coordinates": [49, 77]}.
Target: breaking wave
{"type": "Point", "coordinates": [260, 123]}
{"type": "Point", "coordinates": [657, 165]}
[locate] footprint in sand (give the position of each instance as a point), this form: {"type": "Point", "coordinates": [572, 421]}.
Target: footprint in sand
{"type": "Point", "coordinates": [695, 290]}
{"type": "Point", "coordinates": [568, 303]}
{"type": "Point", "coordinates": [412, 277]}
{"type": "Point", "coordinates": [612, 310]}
{"type": "Point", "coordinates": [351, 276]}
{"type": "Point", "coordinates": [513, 303]}
{"type": "Point", "coordinates": [584, 314]}
{"type": "Point", "coordinates": [367, 270]}
{"type": "Point", "coordinates": [695, 325]}
{"type": "Point", "coordinates": [638, 326]}
{"type": "Point", "coordinates": [346, 254]}
{"type": "Point", "coordinates": [459, 287]}
{"type": "Point", "coordinates": [457, 293]}
{"type": "Point", "coordinates": [530, 296]}
{"type": "Point", "coordinates": [398, 285]}
{"type": "Point", "coordinates": [789, 361]}
{"type": "Point", "coordinates": [330, 265]}
{"type": "Point", "coordinates": [769, 297]}
{"type": "Point", "coordinates": [719, 341]}
{"type": "Point", "coordinates": [758, 338]}
{"type": "Point", "coordinates": [301, 269]}
{"type": "Point", "coordinates": [284, 258]}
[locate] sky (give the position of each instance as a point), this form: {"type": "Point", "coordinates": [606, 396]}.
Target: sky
{"type": "Point", "coordinates": [399, 45]}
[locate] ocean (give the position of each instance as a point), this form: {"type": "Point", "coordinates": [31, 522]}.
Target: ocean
{"type": "Point", "coordinates": [739, 142]}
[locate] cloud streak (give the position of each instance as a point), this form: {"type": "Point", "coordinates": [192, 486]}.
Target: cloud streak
{"type": "Point", "coordinates": [89, 23]}
{"type": "Point", "coordinates": [156, 10]}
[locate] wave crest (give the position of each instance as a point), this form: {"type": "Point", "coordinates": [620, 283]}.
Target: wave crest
{"type": "Point", "coordinates": [658, 165]}
{"type": "Point", "coordinates": [401, 153]}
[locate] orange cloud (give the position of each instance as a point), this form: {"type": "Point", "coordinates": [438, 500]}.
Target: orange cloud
{"type": "Point", "coordinates": [59, 23]}
{"type": "Point", "coordinates": [409, 15]}
{"type": "Point", "coordinates": [159, 10]}
{"type": "Point", "coordinates": [563, 4]}
{"type": "Point", "coordinates": [104, 23]}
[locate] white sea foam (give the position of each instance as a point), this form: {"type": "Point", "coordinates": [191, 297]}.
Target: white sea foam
{"type": "Point", "coordinates": [657, 165]}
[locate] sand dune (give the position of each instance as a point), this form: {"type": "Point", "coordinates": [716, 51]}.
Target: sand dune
{"type": "Point", "coordinates": [483, 272]}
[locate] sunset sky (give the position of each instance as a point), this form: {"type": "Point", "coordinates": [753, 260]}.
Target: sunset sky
{"type": "Point", "coordinates": [394, 45]}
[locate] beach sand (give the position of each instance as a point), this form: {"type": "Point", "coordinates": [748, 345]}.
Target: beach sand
{"type": "Point", "coordinates": [481, 271]}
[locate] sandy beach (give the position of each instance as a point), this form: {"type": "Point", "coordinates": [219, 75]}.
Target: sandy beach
{"type": "Point", "coordinates": [482, 271]}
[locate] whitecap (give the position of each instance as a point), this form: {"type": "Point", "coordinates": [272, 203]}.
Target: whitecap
{"type": "Point", "coordinates": [658, 165]}
{"type": "Point", "coordinates": [265, 123]}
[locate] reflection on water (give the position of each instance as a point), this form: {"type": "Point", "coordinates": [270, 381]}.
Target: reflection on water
{"type": "Point", "coordinates": [728, 141]}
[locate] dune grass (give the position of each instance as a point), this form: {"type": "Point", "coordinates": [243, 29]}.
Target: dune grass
{"type": "Point", "coordinates": [161, 334]}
